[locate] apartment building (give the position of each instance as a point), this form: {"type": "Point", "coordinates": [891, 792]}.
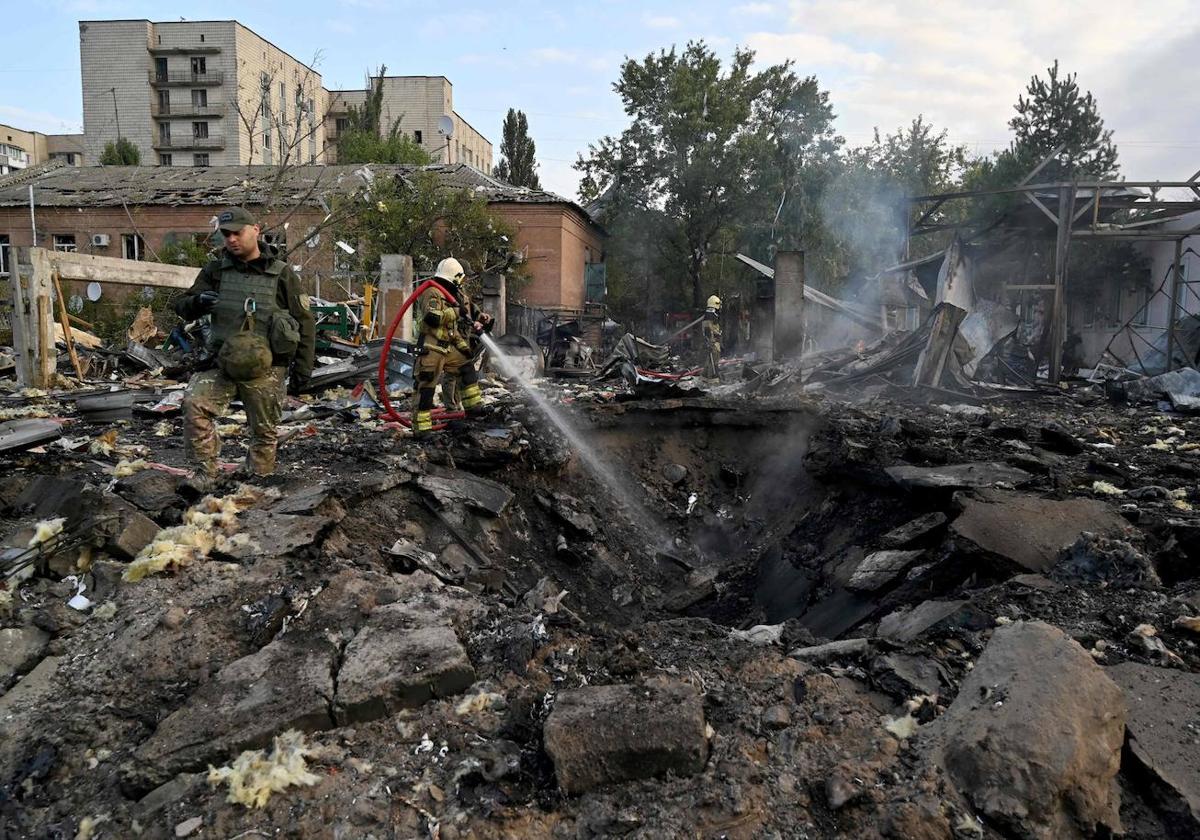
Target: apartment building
{"type": "Point", "coordinates": [419, 103]}
{"type": "Point", "coordinates": [197, 93]}
{"type": "Point", "coordinates": [20, 149]}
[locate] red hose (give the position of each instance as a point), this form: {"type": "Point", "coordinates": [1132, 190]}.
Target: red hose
{"type": "Point", "coordinates": [391, 413]}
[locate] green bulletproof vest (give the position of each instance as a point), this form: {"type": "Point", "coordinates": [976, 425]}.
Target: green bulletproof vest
{"type": "Point", "coordinates": [236, 288]}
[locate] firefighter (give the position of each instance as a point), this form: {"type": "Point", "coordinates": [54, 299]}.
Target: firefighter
{"type": "Point", "coordinates": [446, 342]}
{"type": "Point", "coordinates": [712, 337]}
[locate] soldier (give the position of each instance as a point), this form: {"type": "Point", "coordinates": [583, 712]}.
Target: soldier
{"type": "Point", "coordinates": [444, 346]}
{"type": "Point", "coordinates": [261, 325]}
{"type": "Point", "coordinates": [712, 337]}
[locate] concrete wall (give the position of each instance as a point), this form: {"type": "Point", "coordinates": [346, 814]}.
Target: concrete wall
{"type": "Point", "coordinates": [114, 56]}
{"type": "Point", "coordinates": [419, 102]}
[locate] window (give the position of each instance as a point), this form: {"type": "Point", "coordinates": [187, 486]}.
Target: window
{"type": "Point", "coordinates": [164, 133]}
{"type": "Point", "coordinates": [200, 131]}
{"type": "Point", "coordinates": [200, 159]}
{"type": "Point", "coordinates": [199, 65]}
{"type": "Point", "coordinates": [199, 98]}
{"type": "Point", "coordinates": [164, 101]}
{"type": "Point", "coordinates": [4, 248]}
{"type": "Point", "coordinates": [276, 238]}
{"type": "Point", "coordinates": [283, 156]}
{"type": "Point", "coordinates": [264, 80]}
{"type": "Point", "coordinates": [201, 39]}
{"type": "Point", "coordinates": [282, 102]}
{"type": "Point", "coordinates": [1141, 302]}
{"type": "Point", "coordinates": [160, 69]}
{"type": "Point", "coordinates": [164, 159]}
{"type": "Point", "coordinates": [64, 242]}
{"type": "Point", "coordinates": [133, 247]}
{"type": "Point", "coordinates": [417, 136]}
{"type": "Point", "coordinates": [342, 125]}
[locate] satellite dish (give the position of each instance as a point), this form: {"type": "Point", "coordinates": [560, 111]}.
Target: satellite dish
{"type": "Point", "coordinates": [445, 126]}
{"type": "Point", "coordinates": [93, 292]}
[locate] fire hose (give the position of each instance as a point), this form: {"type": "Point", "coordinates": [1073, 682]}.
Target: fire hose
{"type": "Point", "coordinates": [391, 414]}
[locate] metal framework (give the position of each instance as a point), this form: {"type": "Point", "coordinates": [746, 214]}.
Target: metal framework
{"type": "Point", "coordinates": [1083, 209]}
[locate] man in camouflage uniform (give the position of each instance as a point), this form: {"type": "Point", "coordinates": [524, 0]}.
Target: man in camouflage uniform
{"type": "Point", "coordinates": [444, 347]}
{"type": "Point", "coordinates": [247, 276]}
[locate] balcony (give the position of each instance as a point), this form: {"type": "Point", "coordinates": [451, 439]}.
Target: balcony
{"type": "Point", "coordinates": [184, 78]}
{"type": "Point", "coordinates": [203, 49]}
{"type": "Point", "coordinates": [190, 144]}
{"type": "Point", "coordinates": [187, 109]}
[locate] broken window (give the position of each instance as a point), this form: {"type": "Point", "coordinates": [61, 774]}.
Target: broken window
{"type": "Point", "coordinates": [64, 242]}
{"type": "Point", "coordinates": [200, 159]}
{"type": "Point", "coordinates": [200, 130]}
{"type": "Point", "coordinates": [5, 245]}
{"type": "Point", "coordinates": [133, 247]}
{"type": "Point", "coordinates": [200, 98]}
{"type": "Point", "coordinates": [164, 159]}
{"type": "Point", "coordinates": [199, 65]}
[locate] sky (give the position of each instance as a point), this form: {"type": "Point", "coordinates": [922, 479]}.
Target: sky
{"type": "Point", "coordinates": [961, 64]}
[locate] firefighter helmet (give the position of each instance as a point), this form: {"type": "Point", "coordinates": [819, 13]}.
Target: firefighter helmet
{"type": "Point", "coordinates": [450, 269]}
{"type": "Point", "coordinates": [714, 302]}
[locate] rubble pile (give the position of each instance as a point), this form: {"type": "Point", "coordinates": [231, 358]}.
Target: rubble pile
{"type": "Point", "coordinates": [851, 614]}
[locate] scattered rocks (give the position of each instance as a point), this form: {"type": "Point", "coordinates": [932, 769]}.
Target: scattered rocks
{"type": "Point", "coordinates": [932, 617]}
{"type": "Point", "coordinates": [600, 735]}
{"type": "Point", "coordinates": [675, 473]}
{"type": "Point", "coordinates": [957, 476]}
{"type": "Point", "coordinates": [1034, 737]}
{"type": "Point", "coordinates": [20, 650]}
{"type": "Point", "coordinates": [879, 569]}
{"type": "Point", "coordinates": [908, 533]}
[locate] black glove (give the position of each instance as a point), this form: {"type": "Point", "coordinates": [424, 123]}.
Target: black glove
{"type": "Point", "coordinates": [297, 382]}
{"type": "Point", "coordinates": [206, 302]}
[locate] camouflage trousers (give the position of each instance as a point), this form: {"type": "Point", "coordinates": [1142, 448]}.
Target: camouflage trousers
{"type": "Point", "coordinates": [208, 397]}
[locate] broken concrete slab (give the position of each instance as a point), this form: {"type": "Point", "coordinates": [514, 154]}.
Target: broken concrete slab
{"type": "Point", "coordinates": [275, 534]}
{"type": "Point", "coordinates": [286, 685]}
{"type": "Point", "coordinates": [34, 689]}
{"type": "Point", "coordinates": [1184, 382]}
{"type": "Point", "coordinates": [1034, 737]}
{"type": "Point", "coordinates": [605, 734]}
{"type": "Point", "coordinates": [932, 617]}
{"type": "Point", "coordinates": [153, 491]}
{"type": "Point", "coordinates": [880, 568]}
{"type": "Point", "coordinates": [1028, 530]}
{"type": "Point", "coordinates": [49, 495]}
{"type": "Point", "coordinates": [838, 612]}
{"type": "Point", "coordinates": [401, 659]}
{"type": "Point", "coordinates": [16, 435]}
{"type": "Point", "coordinates": [451, 487]}
{"type": "Point", "coordinates": [906, 676]}
{"type": "Point", "coordinates": [1160, 703]}
{"type": "Point", "coordinates": [318, 500]}
{"type": "Point", "coordinates": [129, 530]}
{"type": "Point", "coordinates": [957, 476]}
{"type": "Point", "coordinates": [908, 533]}
{"type": "Point", "coordinates": [20, 650]}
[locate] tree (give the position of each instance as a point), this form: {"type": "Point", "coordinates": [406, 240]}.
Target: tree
{"type": "Point", "coordinates": [688, 166]}
{"type": "Point", "coordinates": [120, 153]}
{"type": "Point", "coordinates": [517, 165]}
{"type": "Point", "coordinates": [1056, 113]}
{"type": "Point", "coordinates": [366, 141]}
{"type": "Point", "coordinates": [418, 216]}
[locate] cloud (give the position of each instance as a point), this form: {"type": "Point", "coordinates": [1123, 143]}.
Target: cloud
{"type": "Point", "coordinates": [42, 121]}
{"type": "Point", "coordinates": [661, 21]}
{"type": "Point", "coordinates": [963, 65]}
{"type": "Point", "coordinates": [753, 10]}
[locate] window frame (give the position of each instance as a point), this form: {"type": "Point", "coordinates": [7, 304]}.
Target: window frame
{"type": "Point", "coordinates": [196, 159]}
{"type": "Point", "coordinates": [139, 246]}
{"type": "Point", "coordinates": [63, 246]}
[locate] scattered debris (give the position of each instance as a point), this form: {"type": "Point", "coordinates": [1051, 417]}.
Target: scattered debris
{"type": "Point", "coordinates": [255, 775]}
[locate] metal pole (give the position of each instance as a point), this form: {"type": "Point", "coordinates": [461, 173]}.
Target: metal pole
{"type": "Point", "coordinates": [32, 217]}
{"type": "Point", "coordinates": [1176, 279]}
{"type": "Point", "coordinates": [116, 113]}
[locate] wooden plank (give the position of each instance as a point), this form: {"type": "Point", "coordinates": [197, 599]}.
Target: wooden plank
{"type": "Point", "coordinates": [88, 268]}
{"type": "Point", "coordinates": [22, 334]}
{"type": "Point", "coordinates": [65, 319]}
{"type": "Point", "coordinates": [46, 358]}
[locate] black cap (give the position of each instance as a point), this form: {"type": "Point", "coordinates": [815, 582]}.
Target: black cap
{"type": "Point", "coordinates": [234, 219]}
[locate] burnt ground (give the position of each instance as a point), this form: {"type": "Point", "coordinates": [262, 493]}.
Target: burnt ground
{"type": "Point", "coordinates": [731, 514]}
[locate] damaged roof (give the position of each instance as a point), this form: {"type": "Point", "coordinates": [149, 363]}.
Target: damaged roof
{"type": "Point", "coordinates": [58, 185]}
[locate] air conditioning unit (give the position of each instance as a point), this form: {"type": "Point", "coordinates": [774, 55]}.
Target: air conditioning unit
{"type": "Point", "coordinates": [99, 240]}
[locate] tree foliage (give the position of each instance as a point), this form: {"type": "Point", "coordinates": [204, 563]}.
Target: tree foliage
{"type": "Point", "coordinates": [694, 158]}
{"type": "Point", "coordinates": [517, 165]}
{"type": "Point", "coordinates": [365, 139]}
{"type": "Point", "coordinates": [191, 251]}
{"type": "Point", "coordinates": [1053, 112]}
{"type": "Point", "coordinates": [420, 217]}
{"type": "Point", "coordinates": [121, 153]}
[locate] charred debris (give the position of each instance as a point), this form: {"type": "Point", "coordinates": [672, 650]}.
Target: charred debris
{"type": "Point", "coordinates": [910, 586]}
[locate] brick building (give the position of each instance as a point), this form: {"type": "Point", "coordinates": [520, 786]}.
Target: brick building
{"type": "Point", "coordinates": [133, 211]}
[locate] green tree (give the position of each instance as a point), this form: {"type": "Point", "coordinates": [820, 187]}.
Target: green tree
{"type": "Point", "coordinates": [191, 251]}
{"type": "Point", "coordinates": [366, 141]}
{"type": "Point", "coordinates": [517, 164]}
{"type": "Point", "coordinates": [120, 153]}
{"type": "Point", "coordinates": [688, 167]}
{"type": "Point", "coordinates": [1053, 112]}
{"type": "Point", "coordinates": [418, 216]}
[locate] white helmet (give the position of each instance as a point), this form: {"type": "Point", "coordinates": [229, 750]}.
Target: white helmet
{"type": "Point", "coordinates": [450, 269]}
{"type": "Point", "coordinates": [714, 302]}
